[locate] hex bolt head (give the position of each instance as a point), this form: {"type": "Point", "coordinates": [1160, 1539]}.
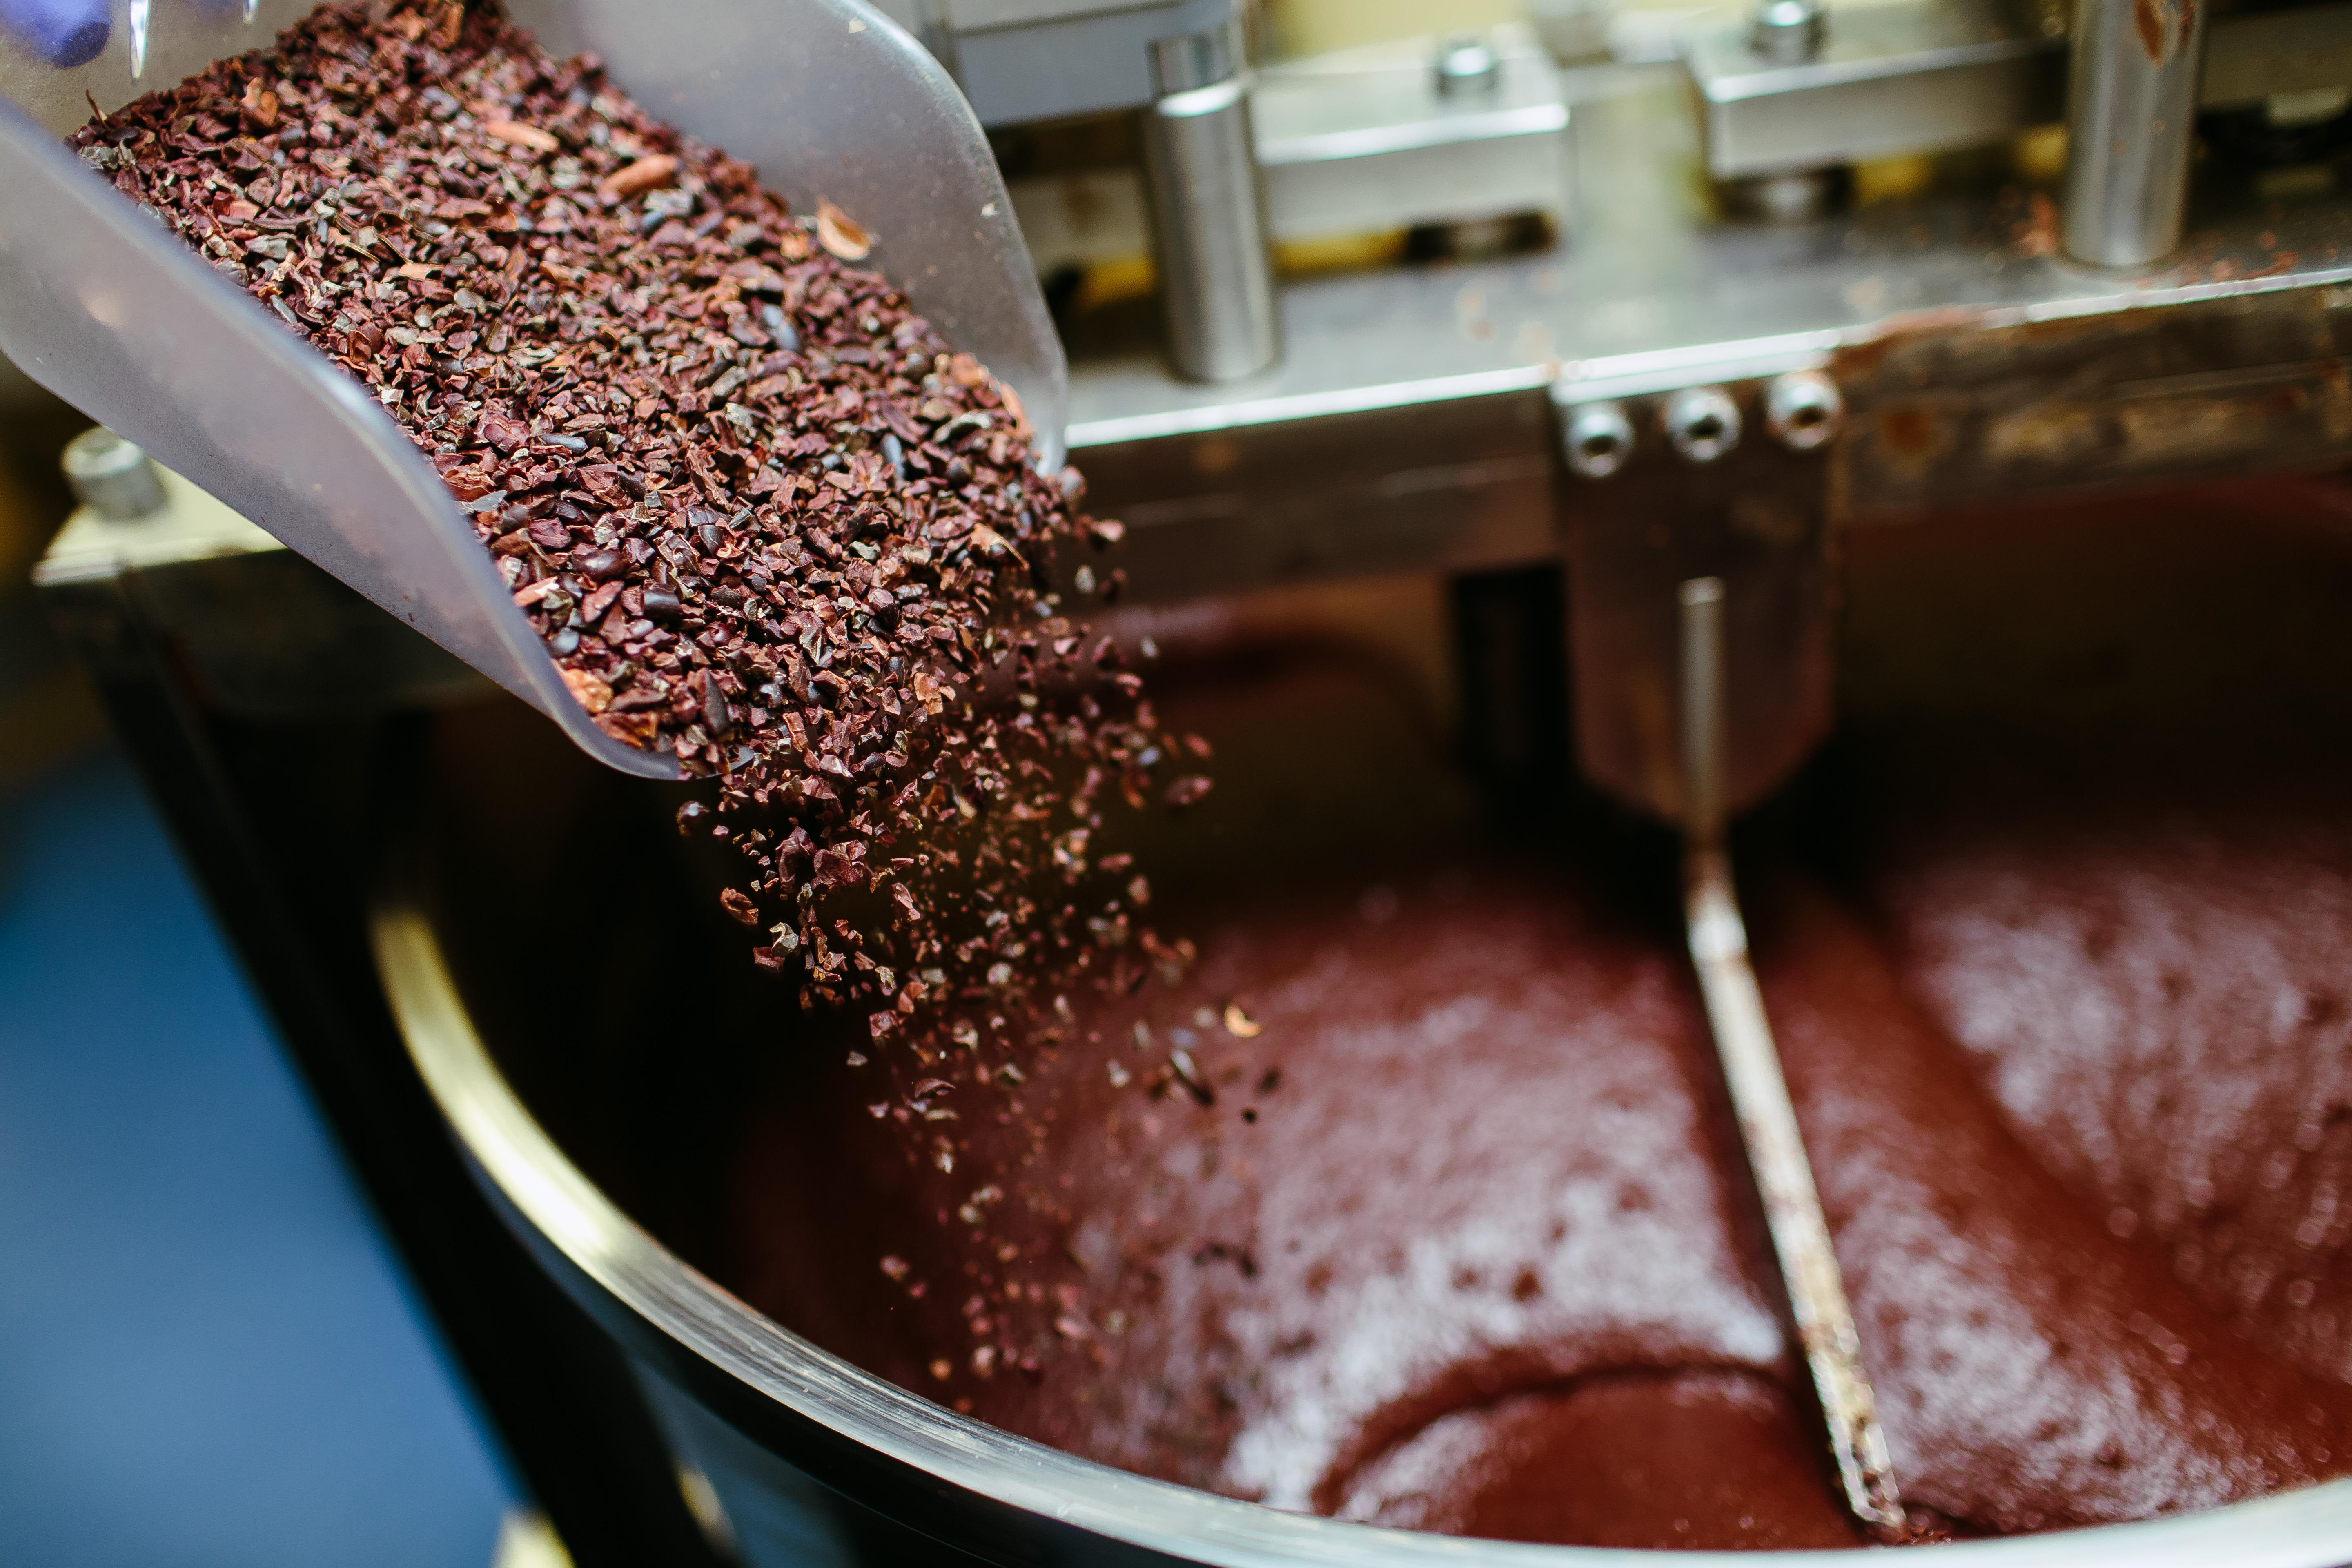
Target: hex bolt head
{"type": "Point", "coordinates": [1702, 423]}
{"type": "Point", "coordinates": [1787, 32]}
{"type": "Point", "coordinates": [1599, 439]}
{"type": "Point", "coordinates": [1467, 66]}
{"type": "Point", "coordinates": [1803, 410]}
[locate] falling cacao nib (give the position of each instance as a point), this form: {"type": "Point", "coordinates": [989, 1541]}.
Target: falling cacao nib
{"type": "Point", "coordinates": [767, 521]}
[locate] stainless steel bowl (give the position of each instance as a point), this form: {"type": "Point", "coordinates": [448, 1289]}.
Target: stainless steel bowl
{"type": "Point", "coordinates": [804, 1459]}
{"type": "Point", "coordinates": [807, 1456]}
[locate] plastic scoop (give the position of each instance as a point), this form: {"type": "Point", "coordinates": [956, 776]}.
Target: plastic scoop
{"type": "Point", "coordinates": [119, 317]}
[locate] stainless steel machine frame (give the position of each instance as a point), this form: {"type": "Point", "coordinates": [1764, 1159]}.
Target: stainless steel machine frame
{"type": "Point", "coordinates": [1900, 77]}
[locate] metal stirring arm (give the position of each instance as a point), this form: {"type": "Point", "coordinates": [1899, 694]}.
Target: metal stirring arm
{"type": "Point", "coordinates": [117, 316]}
{"type": "Point", "coordinates": [1759, 1094]}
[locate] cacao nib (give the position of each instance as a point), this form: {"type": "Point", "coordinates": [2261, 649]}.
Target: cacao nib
{"type": "Point", "coordinates": [767, 521]}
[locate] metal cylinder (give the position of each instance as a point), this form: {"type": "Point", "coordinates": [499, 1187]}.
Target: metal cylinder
{"type": "Point", "coordinates": [2131, 114]}
{"type": "Point", "coordinates": [112, 477]}
{"type": "Point", "coordinates": [1787, 32]}
{"type": "Point", "coordinates": [1208, 217]}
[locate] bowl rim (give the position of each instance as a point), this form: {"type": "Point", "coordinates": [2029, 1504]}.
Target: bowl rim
{"type": "Point", "coordinates": [538, 1185]}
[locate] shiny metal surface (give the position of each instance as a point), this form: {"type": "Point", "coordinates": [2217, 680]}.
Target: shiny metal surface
{"type": "Point", "coordinates": [1923, 76]}
{"type": "Point", "coordinates": [754, 1390]}
{"type": "Point", "coordinates": [1768, 1134]}
{"type": "Point", "coordinates": [2131, 107]}
{"type": "Point", "coordinates": [132, 327]}
{"type": "Point", "coordinates": [1025, 61]}
{"type": "Point", "coordinates": [1912, 76]}
{"type": "Point", "coordinates": [1360, 142]}
{"type": "Point", "coordinates": [1787, 32]}
{"type": "Point", "coordinates": [1755, 518]}
{"type": "Point", "coordinates": [1701, 423]}
{"type": "Point", "coordinates": [1803, 410]}
{"type": "Point", "coordinates": [1406, 425]}
{"type": "Point", "coordinates": [1467, 66]}
{"type": "Point", "coordinates": [111, 477]}
{"type": "Point", "coordinates": [1202, 59]}
{"type": "Point", "coordinates": [1598, 439]}
{"type": "Point", "coordinates": [1372, 140]}
{"type": "Point", "coordinates": [1208, 220]}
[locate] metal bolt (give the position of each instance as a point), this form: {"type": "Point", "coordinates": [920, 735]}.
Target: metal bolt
{"type": "Point", "coordinates": [1196, 59]}
{"type": "Point", "coordinates": [113, 477]}
{"type": "Point", "coordinates": [1787, 32]}
{"type": "Point", "coordinates": [1702, 423]}
{"type": "Point", "coordinates": [1599, 439]}
{"type": "Point", "coordinates": [1467, 66]}
{"type": "Point", "coordinates": [1793, 196]}
{"type": "Point", "coordinates": [1804, 409]}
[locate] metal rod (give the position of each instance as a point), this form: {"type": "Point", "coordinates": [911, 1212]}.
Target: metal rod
{"type": "Point", "coordinates": [1208, 216]}
{"type": "Point", "coordinates": [2131, 121]}
{"type": "Point", "coordinates": [1759, 1094]}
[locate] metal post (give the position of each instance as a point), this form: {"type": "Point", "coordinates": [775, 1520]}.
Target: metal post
{"type": "Point", "coordinates": [1208, 218]}
{"type": "Point", "coordinates": [2131, 121]}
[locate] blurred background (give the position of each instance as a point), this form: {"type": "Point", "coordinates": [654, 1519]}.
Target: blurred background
{"type": "Point", "coordinates": [208, 1359]}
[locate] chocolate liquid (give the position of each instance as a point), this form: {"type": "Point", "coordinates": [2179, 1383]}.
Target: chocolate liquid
{"type": "Point", "coordinates": [1463, 1243]}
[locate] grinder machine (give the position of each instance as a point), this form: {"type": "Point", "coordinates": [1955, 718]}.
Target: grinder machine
{"type": "Point", "coordinates": [1617, 322]}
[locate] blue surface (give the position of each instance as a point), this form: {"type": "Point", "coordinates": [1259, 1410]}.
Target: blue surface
{"type": "Point", "coordinates": [205, 1356]}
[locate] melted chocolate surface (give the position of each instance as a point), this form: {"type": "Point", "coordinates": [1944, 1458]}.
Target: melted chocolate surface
{"type": "Point", "coordinates": [1444, 1227]}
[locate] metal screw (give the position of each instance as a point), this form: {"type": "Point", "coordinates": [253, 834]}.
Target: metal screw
{"type": "Point", "coordinates": [1467, 66]}
{"type": "Point", "coordinates": [1787, 32]}
{"type": "Point", "coordinates": [113, 477]}
{"type": "Point", "coordinates": [1702, 423]}
{"type": "Point", "coordinates": [1804, 409]}
{"type": "Point", "coordinates": [1599, 439]}
{"type": "Point", "coordinates": [1792, 195]}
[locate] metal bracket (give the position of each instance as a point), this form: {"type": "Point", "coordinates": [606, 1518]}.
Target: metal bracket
{"type": "Point", "coordinates": [1721, 478]}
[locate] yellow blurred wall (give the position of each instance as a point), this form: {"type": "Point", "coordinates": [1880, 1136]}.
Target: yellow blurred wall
{"type": "Point", "coordinates": [1311, 27]}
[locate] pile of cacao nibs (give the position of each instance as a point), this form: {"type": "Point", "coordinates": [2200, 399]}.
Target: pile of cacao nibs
{"type": "Point", "coordinates": [765, 520]}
